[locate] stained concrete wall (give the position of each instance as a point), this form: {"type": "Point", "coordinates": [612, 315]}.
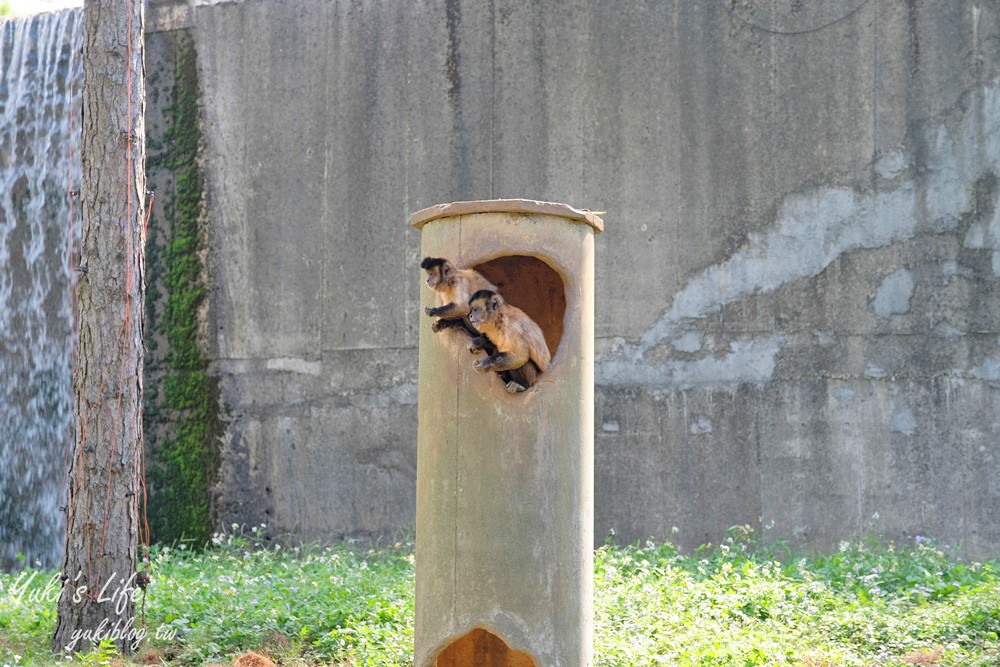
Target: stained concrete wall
{"type": "Point", "coordinates": [798, 291]}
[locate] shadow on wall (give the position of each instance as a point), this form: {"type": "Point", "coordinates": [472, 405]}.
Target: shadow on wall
{"type": "Point", "coordinates": [534, 287]}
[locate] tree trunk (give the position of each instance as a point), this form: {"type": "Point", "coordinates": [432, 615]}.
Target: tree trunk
{"type": "Point", "coordinates": [105, 470]}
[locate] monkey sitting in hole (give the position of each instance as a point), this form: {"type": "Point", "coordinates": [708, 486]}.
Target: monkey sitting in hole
{"type": "Point", "coordinates": [521, 353]}
{"type": "Point", "coordinates": [454, 287]}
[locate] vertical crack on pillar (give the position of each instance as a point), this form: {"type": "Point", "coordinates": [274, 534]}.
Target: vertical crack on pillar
{"type": "Point", "coordinates": [456, 462]}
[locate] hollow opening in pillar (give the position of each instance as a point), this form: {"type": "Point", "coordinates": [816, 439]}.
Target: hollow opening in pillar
{"type": "Point", "coordinates": [534, 287]}
{"type": "Point", "coordinates": [481, 648]}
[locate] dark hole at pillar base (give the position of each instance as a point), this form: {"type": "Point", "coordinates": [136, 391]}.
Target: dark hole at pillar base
{"type": "Point", "coordinates": [481, 648]}
{"type": "Point", "coordinates": [534, 287]}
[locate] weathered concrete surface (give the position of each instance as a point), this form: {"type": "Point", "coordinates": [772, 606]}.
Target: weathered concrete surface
{"type": "Point", "coordinates": [797, 294]}
{"type": "Point", "coordinates": [798, 300]}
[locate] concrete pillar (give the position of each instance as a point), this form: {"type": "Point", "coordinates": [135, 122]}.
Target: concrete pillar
{"type": "Point", "coordinates": [504, 542]}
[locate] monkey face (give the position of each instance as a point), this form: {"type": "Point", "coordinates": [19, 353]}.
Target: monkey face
{"type": "Point", "coordinates": [482, 305]}
{"type": "Point", "coordinates": [477, 312]}
{"type": "Point", "coordinates": [439, 271]}
{"type": "Point", "coordinates": [433, 277]}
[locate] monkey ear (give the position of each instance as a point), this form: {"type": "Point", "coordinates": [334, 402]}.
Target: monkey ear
{"type": "Point", "coordinates": [495, 302]}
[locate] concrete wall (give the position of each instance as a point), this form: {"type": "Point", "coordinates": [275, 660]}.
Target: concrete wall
{"type": "Point", "coordinates": [798, 291]}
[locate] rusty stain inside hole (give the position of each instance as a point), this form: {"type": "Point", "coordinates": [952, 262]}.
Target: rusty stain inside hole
{"type": "Point", "coordinates": [534, 287]}
{"type": "Point", "coordinates": [480, 648]}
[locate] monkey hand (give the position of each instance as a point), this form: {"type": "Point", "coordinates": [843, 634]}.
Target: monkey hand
{"type": "Point", "coordinates": [476, 344]}
{"type": "Point", "coordinates": [436, 326]}
{"type": "Point", "coordinates": [430, 310]}
{"type": "Point", "coordinates": [482, 365]}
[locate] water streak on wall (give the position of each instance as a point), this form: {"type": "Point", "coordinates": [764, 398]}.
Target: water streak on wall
{"type": "Point", "coordinates": [40, 86]}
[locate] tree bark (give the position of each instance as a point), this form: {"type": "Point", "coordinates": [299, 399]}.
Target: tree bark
{"type": "Point", "coordinates": [105, 472]}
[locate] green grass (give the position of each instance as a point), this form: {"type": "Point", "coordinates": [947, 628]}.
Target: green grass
{"type": "Point", "coordinates": [740, 603]}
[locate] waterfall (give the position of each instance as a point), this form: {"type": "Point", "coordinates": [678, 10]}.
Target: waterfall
{"type": "Point", "coordinates": [40, 83]}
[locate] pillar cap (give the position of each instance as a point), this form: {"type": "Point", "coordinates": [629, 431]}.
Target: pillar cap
{"type": "Point", "coordinates": [423, 216]}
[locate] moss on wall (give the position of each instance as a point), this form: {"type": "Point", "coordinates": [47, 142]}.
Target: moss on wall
{"type": "Point", "coordinates": [182, 420]}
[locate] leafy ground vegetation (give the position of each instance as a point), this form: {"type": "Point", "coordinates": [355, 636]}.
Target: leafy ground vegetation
{"type": "Point", "coordinates": [737, 604]}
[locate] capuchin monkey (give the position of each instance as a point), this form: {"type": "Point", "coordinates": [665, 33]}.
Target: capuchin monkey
{"type": "Point", "coordinates": [454, 288]}
{"type": "Point", "coordinates": [521, 353]}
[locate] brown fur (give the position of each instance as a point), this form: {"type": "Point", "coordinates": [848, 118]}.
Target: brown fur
{"type": "Point", "coordinates": [251, 659]}
{"type": "Point", "coordinates": [928, 658]}
{"type": "Point", "coordinates": [518, 339]}
{"type": "Point", "coordinates": [453, 287]}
